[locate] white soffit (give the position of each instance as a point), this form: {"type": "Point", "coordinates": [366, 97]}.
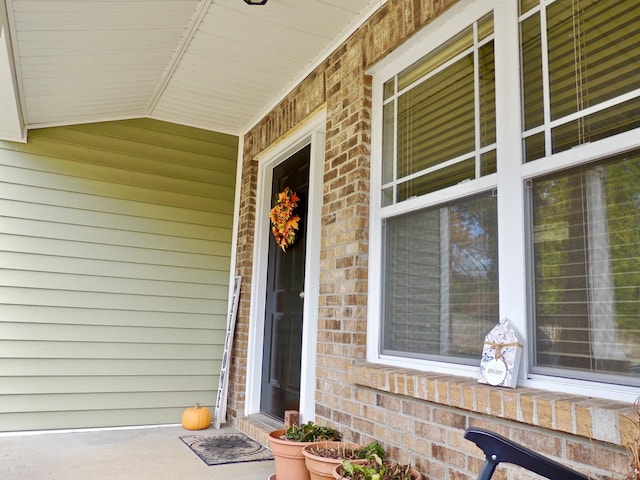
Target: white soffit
{"type": "Point", "coordinates": [87, 60]}
{"type": "Point", "coordinates": [243, 58]}
{"type": "Point", "coordinates": [214, 64]}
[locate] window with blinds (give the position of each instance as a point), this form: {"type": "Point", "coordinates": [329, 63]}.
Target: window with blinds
{"type": "Point", "coordinates": [569, 239]}
{"type": "Point", "coordinates": [580, 71]}
{"type": "Point", "coordinates": [441, 280]}
{"type": "Point", "coordinates": [439, 117]}
{"type": "Point", "coordinates": [586, 241]}
{"type": "Point", "coordinates": [581, 84]}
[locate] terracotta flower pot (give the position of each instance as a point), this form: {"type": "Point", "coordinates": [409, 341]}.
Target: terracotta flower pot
{"type": "Point", "coordinates": [321, 468]}
{"type": "Point", "coordinates": [288, 457]}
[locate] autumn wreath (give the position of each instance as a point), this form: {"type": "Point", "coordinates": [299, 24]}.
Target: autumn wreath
{"type": "Point", "coordinates": [283, 222]}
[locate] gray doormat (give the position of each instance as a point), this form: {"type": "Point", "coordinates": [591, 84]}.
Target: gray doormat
{"type": "Point", "coordinates": [226, 448]}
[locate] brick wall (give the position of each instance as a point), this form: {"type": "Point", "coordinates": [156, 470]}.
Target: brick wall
{"type": "Point", "coordinates": [430, 413]}
{"type": "Point", "coordinates": [419, 418]}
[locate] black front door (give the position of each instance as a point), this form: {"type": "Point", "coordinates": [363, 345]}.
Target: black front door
{"type": "Point", "coordinates": [280, 388]}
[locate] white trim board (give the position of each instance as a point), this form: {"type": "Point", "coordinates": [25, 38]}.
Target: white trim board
{"type": "Point", "coordinates": [311, 132]}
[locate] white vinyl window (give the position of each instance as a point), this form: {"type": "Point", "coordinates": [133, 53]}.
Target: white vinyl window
{"type": "Point", "coordinates": [580, 66]}
{"type": "Point", "coordinates": [476, 194]}
{"type": "Point", "coordinates": [586, 257]}
{"type": "Point", "coordinates": [581, 76]}
{"type": "Point", "coordinates": [439, 131]}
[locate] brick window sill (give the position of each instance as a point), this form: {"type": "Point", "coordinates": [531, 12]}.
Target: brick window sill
{"type": "Point", "coordinates": [592, 418]}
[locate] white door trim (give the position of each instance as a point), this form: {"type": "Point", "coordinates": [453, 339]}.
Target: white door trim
{"type": "Point", "coordinates": [311, 132]}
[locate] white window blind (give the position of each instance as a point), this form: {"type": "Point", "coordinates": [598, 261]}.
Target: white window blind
{"type": "Point", "coordinates": [580, 71]}
{"type": "Point", "coordinates": [587, 268]}
{"type": "Point", "coordinates": [440, 293]}
{"type": "Point", "coordinates": [441, 279]}
{"type": "Point", "coordinates": [439, 117]}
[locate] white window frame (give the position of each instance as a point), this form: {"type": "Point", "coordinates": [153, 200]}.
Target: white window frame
{"type": "Point", "coordinates": [513, 174]}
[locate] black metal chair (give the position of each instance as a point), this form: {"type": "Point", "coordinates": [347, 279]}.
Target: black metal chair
{"type": "Point", "coordinates": [498, 449]}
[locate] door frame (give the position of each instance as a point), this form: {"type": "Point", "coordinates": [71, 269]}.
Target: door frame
{"type": "Point", "coordinates": [311, 132]}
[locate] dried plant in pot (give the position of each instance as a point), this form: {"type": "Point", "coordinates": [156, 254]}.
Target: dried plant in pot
{"type": "Point", "coordinates": [375, 469]}
{"type": "Point", "coordinates": [287, 445]}
{"type": "Point", "coordinates": [322, 458]}
{"type": "Point", "coordinates": [633, 444]}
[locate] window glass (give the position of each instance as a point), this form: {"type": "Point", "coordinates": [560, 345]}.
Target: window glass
{"type": "Point", "coordinates": [486, 97]}
{"type": "Point", "coordinates": [460, 44]}
{"type": "Point", "coordinates": [440, 125]}
{"type": "Point", "coordinates": [436, 119]}
{"type": "Point", "coordinates": [444, 177]}
{"type": "Point", "coordinates": [389, 133]}
{"type": "Point", "coordinates": [587, 268]}
{"type": "Point", "coordinates": [531, 51]}
{"type": "Point", "coordinates": [590, 53]}
{"type": "Point", "coordinates": [525, 5]}
{"type": "Point", "coordinates": [485, 27]}
{"type": "Point", "coordinates": [441, 280]}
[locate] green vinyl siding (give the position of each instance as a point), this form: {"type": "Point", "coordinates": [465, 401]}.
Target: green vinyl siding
{"type": "Point", "coordinates": [115, 246]}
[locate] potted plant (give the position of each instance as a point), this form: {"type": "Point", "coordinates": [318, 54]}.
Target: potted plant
{"type": "Point", "coordinates": [375, 469]}
{"type": "Point", "coordinates": [287, 445]}
{"type": "Point", "coordinates": [633, 444]}
{"type": "Point", "coordinates": [321, 458]}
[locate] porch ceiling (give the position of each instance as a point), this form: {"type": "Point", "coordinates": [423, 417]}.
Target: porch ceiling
{"type": "Point", "coordinates": [214, 64]}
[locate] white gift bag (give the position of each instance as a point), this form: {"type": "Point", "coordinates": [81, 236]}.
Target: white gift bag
{"type": "Point", "coordinates": [501, 356]}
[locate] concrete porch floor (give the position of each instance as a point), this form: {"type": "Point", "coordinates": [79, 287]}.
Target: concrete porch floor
{"type": "Point", "coordinates": [123, 454]}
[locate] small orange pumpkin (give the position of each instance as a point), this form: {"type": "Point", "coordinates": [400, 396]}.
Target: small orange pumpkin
{"type": "Point", "coordinates": [196, 418]}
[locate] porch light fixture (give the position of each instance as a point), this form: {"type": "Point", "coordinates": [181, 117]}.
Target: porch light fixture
{"type": "Point", "coordinates": [255, 2]}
